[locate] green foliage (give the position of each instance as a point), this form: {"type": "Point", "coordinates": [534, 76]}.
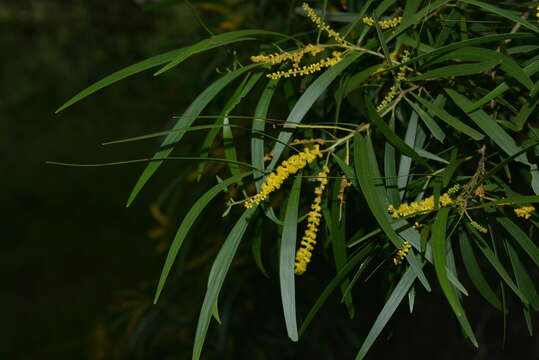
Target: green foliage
{"type": "Point", "coordinates": [465, 171]}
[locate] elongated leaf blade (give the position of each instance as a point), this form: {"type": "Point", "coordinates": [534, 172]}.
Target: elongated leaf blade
{"type": "Point", "coordinates": [186, 225]}
{"type": "Point", "coordinates": [286, 260]}
{"type": "Point", "coordinates": [217, 276]}
{"type": "Point", "coordinates": [185, 121]}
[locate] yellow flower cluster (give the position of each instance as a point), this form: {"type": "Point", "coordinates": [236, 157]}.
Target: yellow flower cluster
{"type": "Point", "coordinates": [384, 24]}
{"type": "Point", "coordinates": [295, 56]}
{"type": "Point", "coordinates": [308, 69]}
{"type": "Point", "coordinates": [304, 253]}
{"type": "Point", "coordinates": [537, 12]}
{"type": "Point", "coordinates": [524, 212]}
{"type": "Point", "coordinates": [393, 91]}
{"type": "Point", "coordinates": [401, 254]}
{"type": "Point", "coordinates": [288, 167]}
{"type": "Point", "coordinates": [422, 206]}
{"type": "Point", "coordinates": [479, 227]}
{"type": "Point", "coordinates": [322, 25]}
{"type": "Point", "coordinates": [453, 190]}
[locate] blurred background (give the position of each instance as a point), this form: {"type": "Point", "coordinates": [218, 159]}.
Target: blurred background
{"type": "Point", "coordinates": [79, 268]}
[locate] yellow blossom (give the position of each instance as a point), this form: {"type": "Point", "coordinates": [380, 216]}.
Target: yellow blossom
{"type": "Point", "coordinates": [384, 24]}
{"type": "Point", "coordinates": [304, 253]}
{"type": "Point", "coordinates": [393, 91]}
{"type": "Point", "coordinates": [288, 167]}
{"type": "Point", "coordinates": [524, 212]}
{"type": "Point", "coordinates": [419, 207]}
{"type": "Point", "coordinates": [295, 56]}
{"type": "Point", "coordinates": [401, 254]}
{"type": "Point", "coordinates": [479, 227]}
{"type": "Point", "coordinates": [308, 69]}
{"type": "Point", "coordinates": [322, 25]}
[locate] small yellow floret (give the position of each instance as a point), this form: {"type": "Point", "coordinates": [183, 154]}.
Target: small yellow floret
{"type": "Point", "coordinates": [304, 253]}
{"type": "Point", "coordinates": [288, 167]}
{"type": "Point", "coordinates": [295, 56]}
{"type": "Point", "coordinates": [525, 212]}
{"type": "Point", "coordinates": [308, 69]}
{"type": "Point", "coordinates": [419, 207]}
{"type": "Point", "coordinates": [479, 227]}
{"type": "Point", "coordinates": [384, 24]}
{"type": "Point", "coordinates": [401, 254]}
{"type": "Point", "coordinates": [394, 90]}
{"type": "Point", "coordinates": [322, 25]}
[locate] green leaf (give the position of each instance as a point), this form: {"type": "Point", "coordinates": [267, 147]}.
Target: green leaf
{"type": "Point", "coordinates": [417, 17]}
{"type": "Point", "coordinates": [521, 238]}
{"type": "Point", "coordinates": [228, 137]}
{"type": "Point", "coordinates": [433, 127]}
{"type": "Point", "coordinates": [439, 257]}
{"type": "Point", "coordinates": [258, 126]}
{"type": "Point", "coordinates": [213, 42]}
{"type": "Point", "coordinates": [449, 119]}
{"type": "Point", "coordinates": [217, 277]}
{"type": "Point", "coordinates": [510, 200]}
{"type": "Point", "coordinates": [350, 264]}
{"type": "Point", "coordinates": [524, 280]}
{"type": "Point", "coordinates": [507, 14]}
{"type": "Point", "coordinates": [186, 224]}
{"type": "Point", "coordinates": [495, 262]}
{"type": "Point", "coordinates": [387, 311]}
{"type": "Point", "coordinates": [489, 126]}
{"type": "Point", "coordinates": [183, 122]}
{"type": "Point", "coordinates": [475, 273]}
{"type": "Point", "coordinates": [256, 248]}
{"type": "Point", "coordinates": [286, 259]}
{"type": "Point", "coordinates": [507, 64]}
{"type": "Point", "coordinates": [306, 101]}
{"type": "Point", "coordinates": [390, 170]}
{"type": "Point", "coordinates": [502, 88]}
{"type": "Point", "coordinates": [366, 171]}
{"type": "Point", "coordinates": [457, 70]}
{"type": "Point", "coordinates": [391, 136]}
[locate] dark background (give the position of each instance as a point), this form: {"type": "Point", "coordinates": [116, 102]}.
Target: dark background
{"type": "Point", "coordinates": [79, 268]}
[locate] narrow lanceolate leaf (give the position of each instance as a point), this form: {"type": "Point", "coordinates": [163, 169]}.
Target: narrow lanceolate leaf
{"type": "Point", "coordinates": [214, 41]}
{"type": "Point", "coordinates": [217, 277]}
{"type": "Point", "coordinates": [306, 101]}
{"type": "Point", "coordinates": [185, 121]}
{"type": "Point", "coordinates": [228, 136]}
{"type": "Point", "coordinates": [521, 238]}
{"type": "Point", "coordinates": [387, 312]}
{"type": "Point", "coordinates": [449, 119]}
{"type": "Point", "coordinates": [376, 197]}
{"type": "Point", "coordinates": [495, 262]}
{"type": "Point", "coordinates": [417, 17]}
{"type": "Point", "coordinates": [286, 260]}
{"type": "Point", "coordinates": [391, 136]}
{"type": "Point", "coordinates": [524, 280]}
{"type": "Point", "coordinates": [186, 224]}
{"type": "Point", "coordinates": [494, 131]}
{"type": "Point", "coordinates": [457, 70]}
{"type": "Point", "coordinates": [341, 275]}
{"type": "Point", "coordinates": [475, 273]}
{"type": "Point", "coordinates": [257, 142]}
{"type": "Point", "coordinates": [182, 54]}
{"type": "Point", "coordinates": [507, 14]}
{"type": "Point", "coordinates": [440, 261]}
{"type": "Point", "coordinates": [433, 127]}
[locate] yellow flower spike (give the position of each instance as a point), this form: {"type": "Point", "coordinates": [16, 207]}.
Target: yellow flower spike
{"type": "Point", "coordinates": [401, 254]}
{"type": "Point", "coordinates": [394, 90]}
{"type": "Point", "coordinates": [322, 25]}
{"type": "Point", "coordinates": [295, 57]}
{"type": "Point", "coordinates": [304, 253]}
{"type": "Point", "coordinates": [525, 212]}
{"type": "Point", "coordinates": [308, 69]}
{"type": "Point", "coordinates": [288, 167]}
{"type": "Point", "coordinates": [419, 207]}
{"type": "Point", "coordinates": [384, 24]}
{"type": "Point", "coordinates": [478, 227]}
